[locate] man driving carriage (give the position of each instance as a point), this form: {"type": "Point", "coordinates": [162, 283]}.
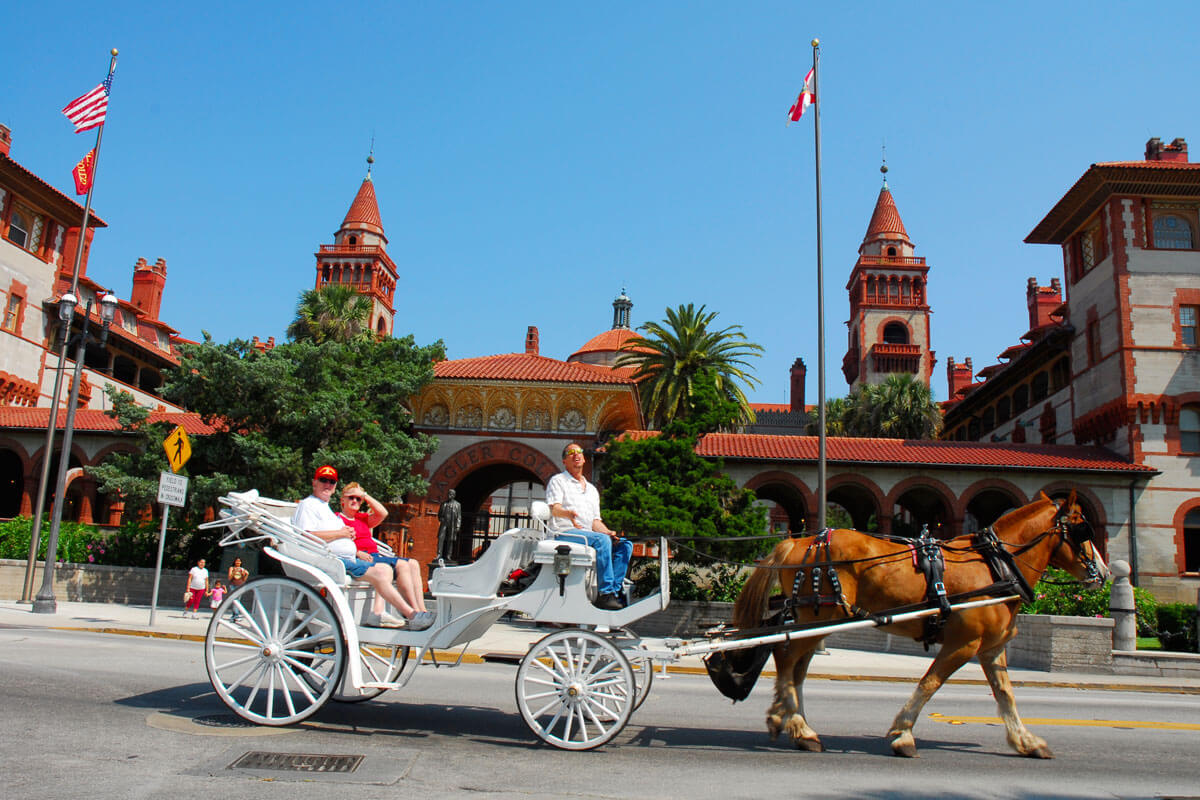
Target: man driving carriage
{"type": "Point", "coordinates": [575, 513]}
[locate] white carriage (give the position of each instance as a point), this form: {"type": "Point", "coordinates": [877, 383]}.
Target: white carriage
{"type": "Point", "coordinates": [280, 647]}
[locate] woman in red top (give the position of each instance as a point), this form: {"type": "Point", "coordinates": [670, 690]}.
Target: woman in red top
{"type": "Point", "coordinates": [363, 520]}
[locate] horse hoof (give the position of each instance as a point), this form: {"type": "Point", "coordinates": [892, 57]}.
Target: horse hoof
{"type": "Point", "coordinates": [810, 745]}
{"type": "Point", "coordinates": [774, 725]}
{"type": "Point", "coordinates": [1041, 751]}
{"type": "Point", "coordinates": [904, 746]}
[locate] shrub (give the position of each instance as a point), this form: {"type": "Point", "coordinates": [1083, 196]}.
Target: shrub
{"type": "Point", "coordinates": [1177, 627]}
{"type": "Point", "coordinates": [1059, 593]}
{"type": "Point", "coordinates": [134, 544]}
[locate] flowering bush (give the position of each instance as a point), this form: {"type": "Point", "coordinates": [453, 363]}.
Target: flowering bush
{"type": "Point", "coordinates": [133, 545]}
{"type": "Point", "coordinates": [1059, 593]}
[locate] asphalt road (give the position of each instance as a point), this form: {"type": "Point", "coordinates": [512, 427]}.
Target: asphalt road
{"type": "Point", "coordinates": [92, 715]}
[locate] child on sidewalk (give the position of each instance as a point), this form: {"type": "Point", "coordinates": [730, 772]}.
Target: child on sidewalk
{"type": "Point", "coordinates": [217, 594]}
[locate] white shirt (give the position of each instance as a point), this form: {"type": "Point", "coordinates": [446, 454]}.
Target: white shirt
{"type": "Point", "coordinates": [584, 501]}
{"type": "Point", "coordinates": [312, 514]}
{"type": "Point", "coordinates": [197, 578]}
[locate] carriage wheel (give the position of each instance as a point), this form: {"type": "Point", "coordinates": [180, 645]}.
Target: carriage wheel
{"type": "Point", "coordinates": [380, 664]}
{"type": "Point", "coordinates": [575, 689]}
{"type": "Point", "coordinates": [643, 666]}
{"type": "Point", "coordinates": [282, 658]}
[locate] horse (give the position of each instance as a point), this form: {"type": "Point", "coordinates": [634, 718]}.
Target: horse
{"type": "Point", "coordinates": [879, 574]}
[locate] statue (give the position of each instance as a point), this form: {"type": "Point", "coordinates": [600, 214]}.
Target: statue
{"type": "Point", "coordinates": [449, 519]}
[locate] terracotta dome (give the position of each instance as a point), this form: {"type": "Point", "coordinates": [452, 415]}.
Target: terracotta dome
{"type": "Point", "coordinates": [604, 347]}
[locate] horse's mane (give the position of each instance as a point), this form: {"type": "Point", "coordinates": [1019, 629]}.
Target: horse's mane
{"type": "Point", "coordinates": [1024, 513]}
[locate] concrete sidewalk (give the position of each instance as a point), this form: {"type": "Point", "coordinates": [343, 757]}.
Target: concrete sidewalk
{"type": "Point", "coordinates": [509, 640]}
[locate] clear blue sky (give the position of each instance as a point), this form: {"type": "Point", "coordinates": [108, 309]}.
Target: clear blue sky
{"type": "Point", "coordinates": [533, 158]}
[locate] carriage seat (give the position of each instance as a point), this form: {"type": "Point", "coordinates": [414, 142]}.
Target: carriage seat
{"type": "Point", "coordinates": [514, 549]}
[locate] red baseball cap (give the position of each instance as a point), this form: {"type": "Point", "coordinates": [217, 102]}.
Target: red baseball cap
{"type": "Point", "coordinates": [326, 472]}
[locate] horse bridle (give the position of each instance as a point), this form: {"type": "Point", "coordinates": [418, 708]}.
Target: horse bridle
{"type": "Point", "coordinates": [1075, 534]}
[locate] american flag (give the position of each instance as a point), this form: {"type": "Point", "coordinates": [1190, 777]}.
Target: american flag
{"type": "Point", "coordinates": [87, 112]}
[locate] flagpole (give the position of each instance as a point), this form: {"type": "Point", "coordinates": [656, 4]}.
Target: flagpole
{"type": "Point", "coordinates": [816, 46]}
{"type": "Point", "coordinates": [52, 425]}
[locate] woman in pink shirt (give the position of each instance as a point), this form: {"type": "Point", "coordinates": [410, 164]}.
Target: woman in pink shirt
{"type": "Point", "coordinates": [363, 513]}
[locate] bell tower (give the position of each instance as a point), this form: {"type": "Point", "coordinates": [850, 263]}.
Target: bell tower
{"type": "Point", "coordinates": [889, 310]}
{"type": "Point", "coordinates": [358, 257]}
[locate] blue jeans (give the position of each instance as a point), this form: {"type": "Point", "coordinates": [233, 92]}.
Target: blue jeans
{"type": "Point", "coordinates": [612, 557]}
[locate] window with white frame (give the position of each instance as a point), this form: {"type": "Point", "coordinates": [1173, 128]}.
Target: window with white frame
{"type": "Point", "coordinates": [1189, 429]}
{"type": "Point", "coordinates": [1187, 325]}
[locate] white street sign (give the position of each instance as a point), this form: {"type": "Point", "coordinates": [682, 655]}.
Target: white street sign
{"type": "Point", "coordinates": [172, 489]}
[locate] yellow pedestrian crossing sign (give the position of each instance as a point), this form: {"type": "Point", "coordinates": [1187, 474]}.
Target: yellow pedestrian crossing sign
{"type": "Point", "coordinates": [178, 448]}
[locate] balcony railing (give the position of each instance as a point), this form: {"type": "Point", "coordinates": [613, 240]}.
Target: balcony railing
{"type": "Point", "coordinates": [891, 261]}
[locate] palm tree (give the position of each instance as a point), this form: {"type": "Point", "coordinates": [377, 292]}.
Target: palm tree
{"type": "Point", "coordinates": [670, 357]}
{"type": "Point", "coordinates": [901, 407]}
{"type": "Point", "coordinates": [332, 313]}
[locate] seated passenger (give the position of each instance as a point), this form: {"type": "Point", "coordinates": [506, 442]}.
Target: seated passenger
{"type": "Point", "coordinates": [314, 515]}
{"type": "Point", "coordinates": [575, 513]}
{"type": "Point", "coordinates": [363, 512]}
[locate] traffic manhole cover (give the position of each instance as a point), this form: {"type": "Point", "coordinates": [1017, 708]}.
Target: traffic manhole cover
{"type": "Point", "coordinates": [297, 762]}
{"type": "Point", "coordinates": [222, 721]}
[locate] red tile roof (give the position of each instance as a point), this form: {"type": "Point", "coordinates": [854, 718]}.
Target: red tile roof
{"type": "Point", "coordinates": [773, 407]}
{"type": "Point", "coordinates": [885, 222]}
{"type": "Point", "coordinates": [609, 341]}
{"type": "Point", "coordinates": [1015, 350]}
{"type": "Point", "coordinates": [364, 211]}
{"type": "Point", "coordinates": [911, 452]}
{"type": "Point", "coordinates": [92, 420]}
{"type": "Point", "coordinates": [526, 367]}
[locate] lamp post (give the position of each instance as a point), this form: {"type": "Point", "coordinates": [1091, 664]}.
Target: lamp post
{"type": "Point", "coordinates": [66, 312]}
{"type": "Point", "coordinates": [44, 603]}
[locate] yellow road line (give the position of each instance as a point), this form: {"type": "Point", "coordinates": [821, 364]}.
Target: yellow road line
{"type": "Point", "coordinates": [1078, 723]}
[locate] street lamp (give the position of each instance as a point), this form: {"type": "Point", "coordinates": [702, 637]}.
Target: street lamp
{"type": "Point", "coordinates": [44, 603]}
{"type": "Point", "coordinates": [66, 312]}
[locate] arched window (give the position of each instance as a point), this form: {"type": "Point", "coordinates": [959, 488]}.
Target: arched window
{"type": "Point", "coordinates": [1172, 232]}
{"type": "Point", "coordinates": [1041, 386]}
{"type": "Point", "coordinates": [894, 290]}
{"type": "Point", "coordinates": [1020, 399]}
{"type": "Point", "coordinates": [1191, 541]}
{"type": "Point", "coordinates": [891, 251]}
{"type": "Point", "coordinates": [353, 240]}
{"type": "Point", "coordinates": [1189, 429]}
{"type": "Point", "coordinates": [1004, 409]}
{"type": "Point", "coordinates": [18, 229]}
{"type": "Point", "coordinates": [871, 288]}
{"type": "Point", "coordinates": [895, 333]}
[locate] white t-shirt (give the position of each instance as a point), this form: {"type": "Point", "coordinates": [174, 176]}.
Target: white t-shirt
{"type": "Point", "coordinates": [197, 578]}
{"type": "Point", "coordinates": [312, 514]}
{"type": "Point", "coordinates": [585, 502]}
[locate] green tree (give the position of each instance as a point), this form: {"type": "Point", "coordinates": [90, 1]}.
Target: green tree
{"type": "Point", "coordinates": [901, 407]}
{"type": "Point", "coordinates": [670, 357]}
{"type": "Point", "coordinates": [278, 414]}
{"type": "Point", "coordinates": [336, 312]}
{"type": "Point", "coordinates": [660, 486]}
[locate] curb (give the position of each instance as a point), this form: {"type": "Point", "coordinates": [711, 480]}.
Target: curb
{"type": "Point", "coordinates": [511, 657]}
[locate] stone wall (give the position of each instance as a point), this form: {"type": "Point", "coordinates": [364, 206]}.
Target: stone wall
{"type": "Point", "coordinates": [93, 583]}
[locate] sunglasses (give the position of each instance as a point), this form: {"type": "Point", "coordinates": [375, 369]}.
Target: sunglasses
{"type": "Point", "coordinates": [330, 481]}
{"type": "Point", "coordinates": [352, 499]}
{"type": "Point", "coordinates": [574, 452]}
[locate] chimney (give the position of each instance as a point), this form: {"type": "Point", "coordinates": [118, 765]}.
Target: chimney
{"type": "Point", "coordinates": [1041, 301]}
{"type": "Point", "coordinates": [1175, 151]}
{"type": "Point", "coordinates": [5, 139]}
{"type": "Point", "coordinates": [958, 377]}
{"type": "Point", "coordinates": [531, 341]}
{"type": "Point", "coordinates": [799, 371]}
{"type": "Point", "coordinates": [148, 283]}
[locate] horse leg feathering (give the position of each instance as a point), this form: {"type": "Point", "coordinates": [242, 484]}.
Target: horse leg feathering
{"type": "Point", "coordinates": [995, 667]}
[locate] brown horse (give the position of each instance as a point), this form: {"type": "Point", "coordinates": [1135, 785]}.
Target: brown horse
{"type": "Point", "coordinates": [877, 575]}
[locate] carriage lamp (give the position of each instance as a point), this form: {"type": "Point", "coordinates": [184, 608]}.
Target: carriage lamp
{"type": "Point", "coordinates": [562, 566]}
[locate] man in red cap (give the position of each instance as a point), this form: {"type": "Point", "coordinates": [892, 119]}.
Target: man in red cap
{"type": "Point", "coordinates": [314, 515]}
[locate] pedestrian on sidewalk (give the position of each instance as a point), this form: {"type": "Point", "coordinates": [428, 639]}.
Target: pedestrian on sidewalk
{"type": "Point", "coordinates": [237, 576]}
{"type": "Point", "coordinates": [197, 587]}
{"type": "Point", "coordinates": [216, 596]}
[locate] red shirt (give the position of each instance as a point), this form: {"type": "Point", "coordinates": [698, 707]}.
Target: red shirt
{"type": "Point", "coordinates": [362, 534]}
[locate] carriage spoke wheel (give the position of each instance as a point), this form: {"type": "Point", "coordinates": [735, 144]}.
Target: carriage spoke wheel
{"type": "Point", "coordinates": [643, 665]}
{"type": "Point", "coordinates": [274, 651]}
{"type": "Point", "coordinates": [575, 689]}
{"type": "Point", "coordinates": [380, 664]}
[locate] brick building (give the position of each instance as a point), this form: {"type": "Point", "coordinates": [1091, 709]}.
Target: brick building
{"type": "Point", "coordinates": [39, 236]}
{"type": "Point", "coordinates": [1111, 355]}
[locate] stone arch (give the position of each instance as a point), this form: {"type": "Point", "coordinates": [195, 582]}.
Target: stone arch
{"type": "Point", "coordinates": [923, 501]}
{"type": "Point", "coordinates": [860, 497]}
{"type": "Point", "coordinates": [789, 493]}
{"type": "Point", "coordinates": [893, 320]}
{"type": "Point", "coordinates": [12, 482]}
{"type": "Point", "coordinates": [501, 410]}
{"type": "Point", "coordinates": [1187, 544]}
{"type": "Point", "coordinates": [984, 501]}
{"type": "Point", "coordinates": [467, 411]}
{"type": "Point", "coordinates": [472, 458]}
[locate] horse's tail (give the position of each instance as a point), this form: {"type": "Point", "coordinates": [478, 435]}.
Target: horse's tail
{"type": "Point", "coordinates": [751, 607]}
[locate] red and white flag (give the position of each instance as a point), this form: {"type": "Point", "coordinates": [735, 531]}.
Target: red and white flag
{"type": "Point", "coordinates": [88, 111]}
{"type": "Point", "coordinates": [84, 172]}
{"type": "Point", "coordinates": [806, 98]}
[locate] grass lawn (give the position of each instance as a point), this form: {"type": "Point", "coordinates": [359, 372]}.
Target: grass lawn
{"type": "Point", "coordinates": [1148, 643]}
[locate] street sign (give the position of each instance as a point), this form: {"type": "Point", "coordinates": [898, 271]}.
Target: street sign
{"type": "Point", "coordinates": [178, 448]}
{"type": "Point", "coordinates": [172, 489]}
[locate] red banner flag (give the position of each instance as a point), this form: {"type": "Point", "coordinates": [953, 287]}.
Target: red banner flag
{"type": "Point", "coordinates": [804, 100]}
{"type": "Point", "coordinates": [83, 173]}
